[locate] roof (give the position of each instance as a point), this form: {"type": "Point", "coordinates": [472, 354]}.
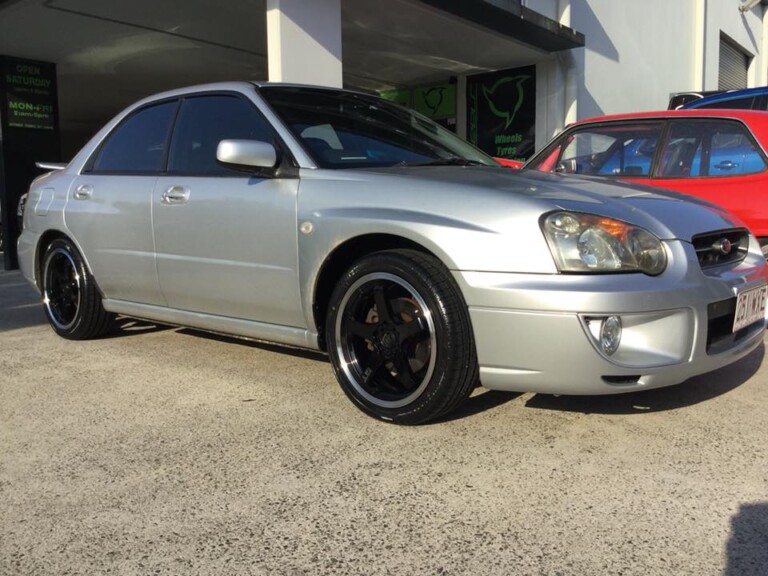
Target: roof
{"type": "Point", "coordinates": [756, 120]}
{"type": "Point", "coordinates": [729, 95]}
{"type": "Point", "coordinates": [746, 115]}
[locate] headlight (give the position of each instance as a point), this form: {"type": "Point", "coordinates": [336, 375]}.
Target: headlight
{"type": "Point", "coordinates": [590, 243]}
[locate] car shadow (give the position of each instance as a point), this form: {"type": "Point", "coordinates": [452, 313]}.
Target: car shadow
{"type": "Point", "coordinates": [480, 401]}
{"type": "Point", "coordinates": [747, 548]}
{"type": "Point", "coordinates": [286, 350]}
{"type": "Point", "coordinates": [125, 327]}
{"type": "Point", "coordinates": [20, 305]}
{"type": "Point", "coordinates": [21, 316]}
{"type": "Point", "coordinates": [693, 391]}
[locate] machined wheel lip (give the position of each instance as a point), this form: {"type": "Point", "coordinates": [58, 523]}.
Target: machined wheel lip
{"type": "Point", "coordinates": [350, 364]}
{"type": "Point", "coordinates": [54, 301]}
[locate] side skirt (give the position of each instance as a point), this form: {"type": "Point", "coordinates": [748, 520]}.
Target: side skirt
{"type": "Point", "coordinates": [285, 335]}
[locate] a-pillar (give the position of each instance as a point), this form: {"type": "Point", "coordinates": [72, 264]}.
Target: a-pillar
{"type": "Point", "coordinates": [304, 41]}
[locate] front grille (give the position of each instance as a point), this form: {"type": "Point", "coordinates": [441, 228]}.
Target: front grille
{"type": "Point", "coordinates": [719, 325]}
{"type": "Point", "coordinates": [722, 247]}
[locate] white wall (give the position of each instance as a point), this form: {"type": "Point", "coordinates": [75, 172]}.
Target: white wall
{"type": "Point", "coordinates": [548, 8]}
{"type": "Point", "coordinates": [746, 29]}
{"type": "Point", "coordinates": [636, 53]}
{"type": "Point", "coordinates": [639, 52]}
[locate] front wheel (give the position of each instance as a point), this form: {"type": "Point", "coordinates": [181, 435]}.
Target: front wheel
{"type": "Point", "coordinates": [71, 300]}
{"type": "Point", "coordinates": [399, 337]}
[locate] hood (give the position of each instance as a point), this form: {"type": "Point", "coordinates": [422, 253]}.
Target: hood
{"type": "Point", "coordinates": [669, 215]}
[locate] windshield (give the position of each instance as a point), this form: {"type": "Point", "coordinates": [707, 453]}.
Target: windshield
{"type": "Point", "coordinates": [351, 130]}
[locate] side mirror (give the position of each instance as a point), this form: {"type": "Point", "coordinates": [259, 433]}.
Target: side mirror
{"type": "Point", "coordinates": [566, 166]}
{"type": "Point", "coordinates": [247, 154]}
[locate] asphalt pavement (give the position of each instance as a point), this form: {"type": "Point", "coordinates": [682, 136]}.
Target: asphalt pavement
{"type": "Point", "coordinates": [169, 451]}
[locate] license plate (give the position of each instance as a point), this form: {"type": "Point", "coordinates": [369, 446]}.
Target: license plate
{"type": "Point", "coordinates": [750, 307]}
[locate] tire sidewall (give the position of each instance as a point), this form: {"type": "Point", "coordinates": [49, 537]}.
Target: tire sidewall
{"type": "Point", "coordinates": [446, 341]}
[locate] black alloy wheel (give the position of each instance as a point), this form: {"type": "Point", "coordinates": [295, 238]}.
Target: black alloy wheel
{"type": "Point", "coordinates": [71, 300]}
{"type": "Point", "coordinates": [399, 337]}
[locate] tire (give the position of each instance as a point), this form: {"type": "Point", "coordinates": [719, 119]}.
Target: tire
{"type": "Point", "coordinates": [71, 299]}
{"type": "Point", "coordinates": [417, 361]}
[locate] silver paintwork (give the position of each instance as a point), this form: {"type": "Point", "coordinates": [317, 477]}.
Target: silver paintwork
{"type": "Point", "coordinates": [247, 153]}
{"type": "Point", "coordinates": [227, 255]}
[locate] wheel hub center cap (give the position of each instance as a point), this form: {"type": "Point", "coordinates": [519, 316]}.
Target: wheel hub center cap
{"type": "Point", "coordinates": [387, 342]}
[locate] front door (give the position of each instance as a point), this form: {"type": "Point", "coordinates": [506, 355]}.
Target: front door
{"type": "Point", "coordinates": [226, 241]}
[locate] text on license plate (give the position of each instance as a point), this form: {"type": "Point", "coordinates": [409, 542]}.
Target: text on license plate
{"type": "Point", "coordinates": [750, 307]}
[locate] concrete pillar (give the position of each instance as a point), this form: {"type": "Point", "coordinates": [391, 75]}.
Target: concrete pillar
{"type": "Point", "coordinates": [569, 70]}
{"type": "Point", "coordinates": [461, 106]}
{"type": "Point", "coordinates": [304, 41]}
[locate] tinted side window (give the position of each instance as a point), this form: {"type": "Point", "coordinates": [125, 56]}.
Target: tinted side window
{"type": "Point", "coordinates": [610, 150]}
{"type": "Point", "coordinates": [735, 103]}
{"type": "Point", "coordinates": [717, 148]}
{"type": "Point", "coordinates": [203, 122]}
{"type": "Point", "coordinates": [138, 143]}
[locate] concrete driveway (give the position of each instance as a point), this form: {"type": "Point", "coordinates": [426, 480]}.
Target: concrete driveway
{"type": "Point", "coordinates": [165, 451]}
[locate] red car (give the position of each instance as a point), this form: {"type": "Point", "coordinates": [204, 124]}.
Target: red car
{"type": "Point", "coordinates": [717, 155]}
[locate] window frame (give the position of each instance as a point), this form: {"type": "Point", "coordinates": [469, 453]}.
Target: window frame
{"type": "Point", "coordinates": [707, 147]}
{"type": "Point", "coordinates": [280, 147]}
{"type": "Point", "coordinates": [89, 166]}
{"type": "Point", "coordinates": [561, 143]}
{"type": "Point", "coordinates": [285, 158]}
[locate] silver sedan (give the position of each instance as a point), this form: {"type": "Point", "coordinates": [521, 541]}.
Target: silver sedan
{"type": "Point", "coordinates": [336, 221]}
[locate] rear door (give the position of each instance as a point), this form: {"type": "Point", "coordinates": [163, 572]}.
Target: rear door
{"type": "Point", "coordinates": [109, 209]}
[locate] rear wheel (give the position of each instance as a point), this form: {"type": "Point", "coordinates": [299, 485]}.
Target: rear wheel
{"type": "Point", "coordinates": [399, 337]}
{"type": "Point", "coordinates": [71, 300]}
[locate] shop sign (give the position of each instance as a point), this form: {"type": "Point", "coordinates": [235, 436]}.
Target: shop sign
{"type": "Point", "coordinates": [402, 97]}
{"type": "Point", "coordinates": [435, 101]}
{"type": "Point", "coordinates": [30, 94]}
{"type": "Point", "coordinates": [501, 112]}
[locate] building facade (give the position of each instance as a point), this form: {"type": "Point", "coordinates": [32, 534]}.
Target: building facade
{"type": "Point", "coordinates": [506, 74]}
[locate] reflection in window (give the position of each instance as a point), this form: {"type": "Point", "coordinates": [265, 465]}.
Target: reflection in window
{"type": "Point", "coordinates": [138, 143]}
{"type": "Point", "coordinates": [710, 148]}
{"type": "Point", "coordinates": [203, 122]}
{"type": "Point", "coordinates": [616, 150]}
{"type": "Point", "coordinates": [341, 130]}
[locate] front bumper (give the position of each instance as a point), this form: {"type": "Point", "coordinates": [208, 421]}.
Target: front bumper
{"type": "Point", "coordinates": [535, 333]}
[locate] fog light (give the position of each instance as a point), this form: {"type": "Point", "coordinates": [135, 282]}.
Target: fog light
{"type": "Point", "coordinates": [610, 334]}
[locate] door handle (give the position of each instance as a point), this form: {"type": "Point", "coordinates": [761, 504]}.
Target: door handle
{"type": "Point", "coordinates": [726, 165]}
{"type": "Point", "coordinates": [83, 192]}
{"type": "Point", "coordinates": [175, 195]}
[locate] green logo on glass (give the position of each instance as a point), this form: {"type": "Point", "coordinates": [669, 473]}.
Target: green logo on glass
{"type": "Point", "coordinates": [504, 109]}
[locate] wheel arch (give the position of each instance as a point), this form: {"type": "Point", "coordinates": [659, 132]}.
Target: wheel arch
{"type": "Point", "coordinates": [45, 239]}
{"type": "Point", "coordinates": [339, 260]}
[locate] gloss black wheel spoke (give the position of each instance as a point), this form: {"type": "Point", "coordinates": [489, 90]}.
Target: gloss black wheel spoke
{"type": "Point", "coordinates": [405, 377]}
{"type": "Point", "coordinates": [373, 366]}
{"type": "Point", "coordinates": [359, 329]}
{"type": "Point", "coordinates": [382, 304]}
{"type": "Point", "coordinates": [413, 331]}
